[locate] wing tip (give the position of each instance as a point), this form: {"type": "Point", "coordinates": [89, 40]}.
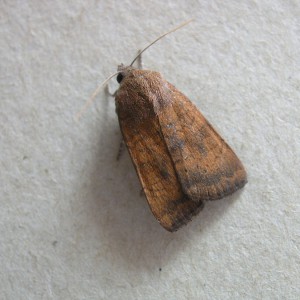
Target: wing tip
{"type": "Point", "coordinates": [230, 189]}
{"type": "Point", "coordinates": [181, 216]}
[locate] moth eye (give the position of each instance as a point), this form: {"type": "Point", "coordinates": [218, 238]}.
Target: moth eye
{"type": "Point", "coordinates": [120, 77]}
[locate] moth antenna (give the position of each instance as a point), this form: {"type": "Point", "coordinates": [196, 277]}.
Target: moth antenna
{"type": "Point", "coordinates": [92, 98]}
{"type": "Point", "coordinates": [160, 37]}
{"type": "Point", "coordinates": [96, 92]}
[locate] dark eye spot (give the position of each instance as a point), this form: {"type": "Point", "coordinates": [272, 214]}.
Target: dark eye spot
{"type": "Point", "coordinates": [120, 77]}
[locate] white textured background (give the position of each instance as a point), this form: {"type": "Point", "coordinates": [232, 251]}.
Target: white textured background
{"type": "Point", "coordinates": [72, 222]}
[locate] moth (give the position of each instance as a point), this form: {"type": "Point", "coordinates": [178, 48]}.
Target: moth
{"type": "Point", "coordinates": [180, 159]}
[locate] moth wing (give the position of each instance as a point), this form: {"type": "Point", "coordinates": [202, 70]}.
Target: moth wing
{"type": "Point", "coordinates": [155, 168]}
{"type": "Point", "coordinates": [206, 166]}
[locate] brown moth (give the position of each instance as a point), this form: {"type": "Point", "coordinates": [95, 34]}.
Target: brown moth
{"type": "Point", "coordinates": [179, 157]}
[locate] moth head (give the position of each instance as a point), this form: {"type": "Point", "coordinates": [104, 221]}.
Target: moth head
{"type": "Point", "coordinates": [123, 72]}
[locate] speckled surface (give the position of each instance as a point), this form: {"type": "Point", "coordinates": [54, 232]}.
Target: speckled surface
{"type": "Point", "coordinates": [72, 222]}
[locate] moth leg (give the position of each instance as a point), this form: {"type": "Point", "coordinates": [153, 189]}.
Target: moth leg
{"type": "Point", "coordinates": [109, 92]}
{"type": "Point", "coordinates": [121, 150]}
{"type": "Point", "coordinates": [140, 61]}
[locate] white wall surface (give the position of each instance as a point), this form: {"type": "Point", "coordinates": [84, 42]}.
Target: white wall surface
{"type": "Point", "coordinates": [72, 222]}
